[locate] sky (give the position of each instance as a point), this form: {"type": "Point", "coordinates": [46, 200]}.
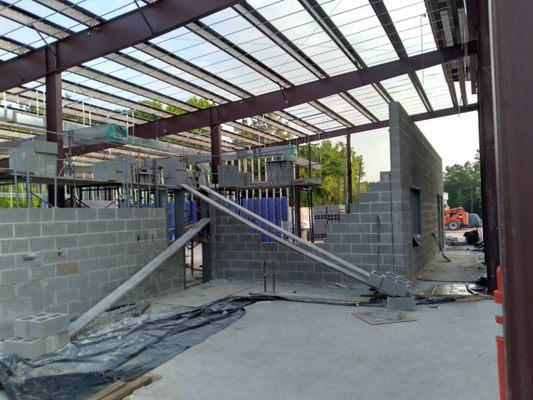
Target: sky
{"type": "Point", "coordinates": [455, 138]}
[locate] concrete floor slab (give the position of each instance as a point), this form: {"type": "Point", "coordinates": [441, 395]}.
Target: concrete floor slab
{"type": "Point", "coordinates": [198, 295]}
{"type": "Point", "coordinates": [287, 350]}
{"type": "Point", "coordinates": [201, 294]}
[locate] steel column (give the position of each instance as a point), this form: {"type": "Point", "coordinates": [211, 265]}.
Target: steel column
{"type": "Point", "coordinates": [486, 147]}
{"type": "Point", "coordinates": [349, 188]}
{"type": "Point", "coordinates": [216, 153]}
{"type": "Point", "coordinates": [207, 249]}
{"type": "Point", "coordinates": [179, 229]}
{"type": "Point", "coordinates": [297, 203]}
{"type": "Point", "coordinates": [54, 128]}
{"type": "Point", "coordinates": [511, 28]}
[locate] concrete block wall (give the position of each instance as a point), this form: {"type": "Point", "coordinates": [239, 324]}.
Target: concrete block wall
{"type": "Point", "coordinates": [66, 260]}
{"type": "Point", "coordinates": [414, 165]}
{"type": "Point", "coordinates": [239, 255]}
{"type": "Point", "coordinates": [377, 234]}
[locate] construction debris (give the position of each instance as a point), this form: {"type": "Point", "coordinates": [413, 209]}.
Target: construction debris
{"type": "Point", "coordinates": [383, 317]}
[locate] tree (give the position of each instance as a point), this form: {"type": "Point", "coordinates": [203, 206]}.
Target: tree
{"type": "Point", "coordinates": [332, 158]}
{"type": "Point", "coordinates": [463, 184]}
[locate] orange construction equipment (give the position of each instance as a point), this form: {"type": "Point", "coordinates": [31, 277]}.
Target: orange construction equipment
{"type": "Point", "coordinates": [455, 218]}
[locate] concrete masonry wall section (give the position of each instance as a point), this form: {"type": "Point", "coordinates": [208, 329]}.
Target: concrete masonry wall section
{"type": "Point", "coordinates": [81, 256]}
{"type": "Point", "coordinates": [357, 238]}
{"type": "Point", "coordinates": [376, 235]}
{"type": "Point", "coordinates": [414, 165]}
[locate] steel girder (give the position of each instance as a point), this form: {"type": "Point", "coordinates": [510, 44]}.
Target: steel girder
{"type": "Point", "coordinates": [293, 96]}
{"type": "Point", "coordinates": [126, 30]}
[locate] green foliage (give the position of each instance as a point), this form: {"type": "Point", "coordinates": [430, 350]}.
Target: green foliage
{"type": "Point", "coordinates": [193, 101]}
{"type": "Point", "coordinates": [463, 184]}
{"type": "Point", "coordinates": [332, 158]}
{"type": "Point", "coordinates": [147, 115]}
{"type": "Point", "coordinates": [8, 199]}
{"type": "Point", "coordinates": [262, 126]}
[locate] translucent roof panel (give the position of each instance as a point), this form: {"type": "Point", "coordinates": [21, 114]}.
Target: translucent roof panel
{"type": "Point", "coordinates": [81, 80]}
{"type": "Point", "coordinates": [372, 101]}
{"type": "Point", "coordinates": [344, 109]}
{"type": "Point", "coordinates": [435, 86]}
{"type": "Point", "coordinates": [357, 21]}
{"type": "Point", "coordinates": [178, 73]}
{"type": "Point", "coordinates": [47, 14]}
{"type": "Point", "coordinates": [298, 25]}
{"type": "Point", "coordinates": [6, 55]}
{"type": "Point", "coordinates": [315, 117]}
{"type": "Point", "coordinates": [191, 47]}
{"type": "Point", "coordinates": [401, 89]}
{"type": "Point", "coordinates": [412, 23]}
{"type": "Point", "coordinates": [23, 34]}
{"type": "Point", "coordinates": [108, 9]}
{"type": "Point", "coordinates": [119, 71]}
{"type": "Point", "coordinates": [229, 24]}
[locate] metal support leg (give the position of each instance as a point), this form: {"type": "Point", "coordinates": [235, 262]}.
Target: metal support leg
{"type": "Point", "coordinates": [206, 246]}
{"type": "Point", "coordinates": [179, 229]}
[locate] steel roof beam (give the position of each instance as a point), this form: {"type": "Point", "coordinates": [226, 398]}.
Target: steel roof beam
{"type": "Point", "coordinates": [378, 125]}
{"type": "Point", "coordinates": [49, 28]}
{"type": "Point", "coordinates": [99, 114]}
{"type": "Point", "coordinates": [394, 37]}
{"type": "Point", "coordinates": [88, 18]}
{"type": "Point", "coordinates": [456, 34]}
{"type": "Point", "coordinates": [211, 36]}
{"type": "Point", "coordinates": [297, 95]}
{"type": "Point", "coordinates": [328, 26]}
{"type": "Point", "coordinates": [125, 30]}
{"type": "Point", "coordinates": [431, 6]}
{"type": "Point", "coordinates": [301, 94]}
{"type": "Point", "coordinates": [270, 31]}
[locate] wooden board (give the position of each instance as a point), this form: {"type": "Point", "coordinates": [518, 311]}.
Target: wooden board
{"type": "Point", "coordinates": [119, 390]}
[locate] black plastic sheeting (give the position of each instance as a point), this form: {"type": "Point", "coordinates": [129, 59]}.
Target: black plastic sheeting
{"type": "Point", "coordinates": [121, 351]}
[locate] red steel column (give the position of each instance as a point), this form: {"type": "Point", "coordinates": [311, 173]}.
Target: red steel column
{"type": "Point", "coordinates": [215, 152]}
{"type": "Point", "coordinates": [512, 49]}
{"type": "Point", "coordinates": [54, 127]}
{"type": "Point", "coordinates": [487, 150]}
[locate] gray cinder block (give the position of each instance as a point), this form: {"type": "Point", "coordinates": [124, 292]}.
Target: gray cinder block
{"type": "Point", "coordinates": [21, 327]}
{"type": "Point", "coordinates": [55, 342]}
{"type": "Point", "coordinates": [388, 283]}
{"type": "Point", "coordinates": [46, 324]}
{"type": "Point", "coordinates": [406, 303]}
{"type": "Point", "coordinates": [24, 347]}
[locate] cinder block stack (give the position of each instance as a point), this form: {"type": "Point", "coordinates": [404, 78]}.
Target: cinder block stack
{"type": "Point", "coordinates": [280, 173]}
{"type": "Point", "coordinates": [324, 215]}
{"type": "Point", "coordinates": [38, 334]}
{"type": "Point", "coordinates": [229, 176]}
{"type": "Point", "coordinates": [35, 156]}
{"type": "Point", "coordinates": [120, 169]}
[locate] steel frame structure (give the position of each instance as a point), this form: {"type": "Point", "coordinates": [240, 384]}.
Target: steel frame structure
{"type": "Point", "coordinates": [463, 52]}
